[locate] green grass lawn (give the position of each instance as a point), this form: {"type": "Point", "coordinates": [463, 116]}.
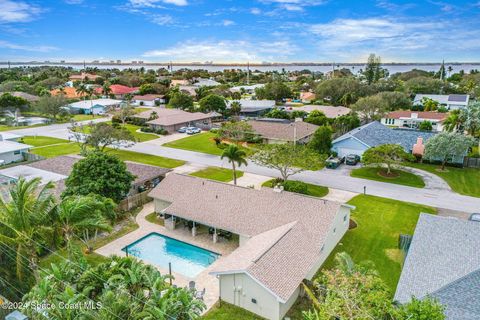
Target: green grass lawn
{"type": "Point", "coordinates": [50, 151]}
{"type": "Point", "coordinates": [85, 117]}
{"type": "Point", "coordinates": [153, 218]}
{"type": "Point", "coordinates": [163, 162]}
{"type": "Point", "coordinates": [380, 222]}
{"type": "Point", "coordinates": [313, 189]}
{"type": "Point", "coordinates": [216, 173]}
{"type": "Point", "coordinates": [403, 178]}
{"type": "Point", "coordinates": [229, 312]}
{"type": "Point", "coordinates": [139, 136]}
{"type": "Point", "coordinates": [202, 142]}
{"type": "Point", "coordinates": [41, 141]}
{"type": "Point", "coordinates": [462, 180]}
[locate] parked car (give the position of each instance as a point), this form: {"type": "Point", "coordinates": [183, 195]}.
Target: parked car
{"type": "Point", "coordinates": [193, 130]}
{"type": "Point", "coordinates": [352, 159]}
{"type": "Point", "coordinates": [334, 162]}
{"type": "Point", "coordinates": [182, 130]}
{"type": "Point", "coordinates": [474, 217]}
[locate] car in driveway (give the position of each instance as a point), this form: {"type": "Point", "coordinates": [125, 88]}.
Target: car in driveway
{"type": "Point", "coordinates": [182, 130]}
{"type": "Point", "coordinates": [334, 162]}
{"type": "Point", "coordinates": [352, 159]}
{"type": "Point", "coordinates": [474, 217]}
{"type": "Point", "coordinates": [193, 130]}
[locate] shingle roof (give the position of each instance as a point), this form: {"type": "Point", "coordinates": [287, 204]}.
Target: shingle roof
{"type": "Point", "coordinates": [64, 164]}
{"type": "Point", "coordinates": [121, 89]}
{"type": "Point", "coordinates": [287, 229]}
{"type": "Point", "coordinates": [24, 95]}
{"type": "Point", "coordinates": [443, 261]}
{"type": "Point", "coordinates": [148, 97]}
{"type": "Point", "coordinates": [169, 117]}
{"type": "Point", "coordinates": [375, 133]}
{"type": "Point", "coordinates": [286, 131]}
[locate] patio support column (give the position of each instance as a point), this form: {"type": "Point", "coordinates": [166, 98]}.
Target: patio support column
{"type": "Point", "coordinates": [215, 237]}
{"type": "Point", "coordinates": [194, 229]}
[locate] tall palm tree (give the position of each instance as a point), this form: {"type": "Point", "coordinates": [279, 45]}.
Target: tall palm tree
{"type": "Point", "coordinates": [77, 216]}
{"type": "Point", "coordinates": [236, 108]}
{"type": "Point", "coordinates": [24, 216]}
{"type": "Point", "coordinates": [235, 156]}
{"type": "Point", "coordinates": [454, 121]}
{"type": "Point", "coordinates": [106, 89]}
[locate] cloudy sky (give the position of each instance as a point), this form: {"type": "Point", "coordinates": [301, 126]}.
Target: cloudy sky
{"type": "Point", "coordinates": [240, 30]}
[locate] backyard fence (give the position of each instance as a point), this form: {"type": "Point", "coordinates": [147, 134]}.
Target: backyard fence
{"type": "Point", "coordinates": [134, 201]}
{"type": "Point", "coordinates": [469, 162]}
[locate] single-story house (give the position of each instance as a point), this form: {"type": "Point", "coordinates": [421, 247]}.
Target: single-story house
{"type": "Point", "coordinates": [149, 100]}
{"type": "Point", "coordinates": [451, 102]}
{"type": "Point", "coordinates": [11, 150]}
{"type": "Point", "coordinates": [253, 108]}
{"type": "Point", "coordinates": [83, 77]}
{"type": "Point", "coordinates": [284, 238]}
{"type": "Point", "coordinates": [179, 82]}
{"type": "Point", "coordinates": [443, 263]}
{"type": "Point", "coordinates": [119, 91]}
{"type": "Point", "coordinates": [96, 106]}
{"type": "Point", "coordinates": [7, 136]}
{"type": "Point", "coordinates": [173, 119]}
{"type": "Point", "coordinates": [329, 111]}
{"type": "Point", "coordinates": [188, 89]}
{"type": "Point", "coordinates": [68, 92]}
{"type": "Point", "coordinates": [283, 131]}
{"type": "Point", "coordinates": [307, 96]}
{"type": "Point", "coordinates": [200, 82]}
{"type": "Point", "coordinates": [249, 89]}
{"type": "Point", "coordinates": [374, 134]}
{"type": "Point", "coordinates": [27, 96]}
{"type": "Point", "coordinates": [412, 119]}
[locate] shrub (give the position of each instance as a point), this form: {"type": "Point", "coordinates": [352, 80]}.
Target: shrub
{"type": "Point", "coordinates": [295, 186]}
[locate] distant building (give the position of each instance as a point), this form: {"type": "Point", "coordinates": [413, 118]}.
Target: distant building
{"type": "Point", "coordinates": [180, 82]}
{"type": "Point", "coordinates": [68, 92]}
{"type": "Point", "coordinates": [249, 89]}
{"type": "Point", "coordinates": [451, 102]}
{"type": "Point", "coordinates": [83, 77]}
{"type": "Point", "coordinates": [443, 263]}
{"type": "Point", "coordinates": [149, 100]}
{"type": "Point", "coordinates": [97, 106]}
{"type": "Point", "coordinates": [23, 95]}
{"type": "Point", "coordinates": [283, 131]}
{"type": "Point", "coordinates": [173, 119]}
{"type": "Point", "coordinates": [329, 111]}
{"type": "Point", "coordinates": [119, 91]}
{"type": "Point", "coordinates": [205, 83]}
{"type": "Point", "coordinates": [307, 97]}
{"type": "Point", "coordinates": [253, 108]}
{"type": "Point", "coordinates": [412, 119]}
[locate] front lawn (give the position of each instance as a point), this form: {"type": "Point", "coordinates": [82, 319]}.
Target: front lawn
{"type": "Point", "coordinates": [216, 173]}
{"type": "Point", "coordinates": [314, 190]}
{"type": "Point", "coordinates": [50, 151]}
{"type": "Point", "coordinates": [399, 176]}
{"type": "Point", "coordinates": [202, 142]}
{"type": "Point", "coordinates": [85, 117]}
{"type": "Point", "coordinates": [462, 180]}
{"type": "Point", "coordinates": [139, 136]}
{"type": "Point", "coordinates": [380, 223]}
{"type": "Point", "coordinates": [40, 141]}
{"type": "Point", "coordinates": [158, 161]}
{"type": "Point", "coordinates": [227, 311]}
{"type": "Point", "coordinates": [153, 218]}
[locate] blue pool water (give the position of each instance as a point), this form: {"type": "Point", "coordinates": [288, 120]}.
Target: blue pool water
{"type": "Point", "coordinates": [186, 259]}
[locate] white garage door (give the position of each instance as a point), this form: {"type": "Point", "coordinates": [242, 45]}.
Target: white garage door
{"type": "Point", "coordinates": [342, 152]}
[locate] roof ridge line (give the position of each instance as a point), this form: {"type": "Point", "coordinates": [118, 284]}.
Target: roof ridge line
{"type": "Point", "coordinates": [453, 282]}
{"type": "Point", "coordinates": [292, 224]}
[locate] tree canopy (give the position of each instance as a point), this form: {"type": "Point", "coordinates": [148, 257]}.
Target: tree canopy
{"type": "Point", "coordinates": [321, 140]}
{"type": "Point", "coordinates": [385, 154]}
{"type": "Point", "coordinates": [446, 146]}
{"type": "Point", "coordinates": [180, 100]}
{"type": "Point", "coordinates": [212, 102]}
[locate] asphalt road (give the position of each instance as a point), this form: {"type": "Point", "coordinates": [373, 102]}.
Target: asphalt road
{"type": "Point", "coordinates": [437, 196]}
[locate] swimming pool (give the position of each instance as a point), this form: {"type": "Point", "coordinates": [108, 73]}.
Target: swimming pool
{"type": "Point", "coordinates": [185, 258]}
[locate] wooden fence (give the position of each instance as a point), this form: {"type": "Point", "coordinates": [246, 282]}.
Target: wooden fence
{"type": "Point", "coordinates": [469, 162]}
{"type": "Point", "coordinates": [134, 201]}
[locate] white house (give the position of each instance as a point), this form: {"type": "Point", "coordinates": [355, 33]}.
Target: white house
{"type": "Point", "coordinates": [253, 108]}
{"type": "Point", "coordinates": [284, 237]}
{"type": "Point", "coordinates": [96, 106]}
{"type": "Point", "coordinates": [149, 100]}
{"type": "Point", "coordinates": [250, 89]}
{"type": "Point", "coordinates": [451, 102]}
{"type": "Point", "coordinates": [412, 119]}
{"type": "Point", "coordinates": [205, 83]}
{"type": "Point", "coordinates": [12, 151]}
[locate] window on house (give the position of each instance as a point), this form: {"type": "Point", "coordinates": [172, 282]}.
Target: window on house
{"type": "Point", "coordinates": [344, 218]}
{"type": "Point", "coordinates": [334, 230]}
{"type": "Point", "coordinates": [16, 152]}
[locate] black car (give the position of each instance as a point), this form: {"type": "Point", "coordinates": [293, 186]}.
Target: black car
{"type": "Point", "coordinates": [352, 159]}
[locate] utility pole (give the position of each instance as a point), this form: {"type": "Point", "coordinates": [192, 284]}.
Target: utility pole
{"type": "Point", "coordinates": [248, 72]}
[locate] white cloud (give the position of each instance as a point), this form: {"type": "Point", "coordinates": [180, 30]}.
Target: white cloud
{"type": "Point", "coordinates": [155, 3]}
{"type": "Point", "coordinates": [224, 51]}
{"type": "Point", "coordinates": [13, 46]}
{"type": "Point", "coordinates": [255, 11]}
{"type": "Point", "coordinates": [17, 11]}
{"type": "Point", "coordinates": [227, 23]}
{"type": "Point", "coordinates": [73, 1]}
{"type": "Point", "coordinates": [162, 19]}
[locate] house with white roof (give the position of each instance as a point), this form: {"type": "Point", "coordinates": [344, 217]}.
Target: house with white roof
{"type": "Point", "coordinates": [205, 83]}
{"type": "Point", "coordinates": [253, 108]}
{"type": "Point", "coordinates": [250, 89]}
{"type": "Point", "coordinates": [284, 237]}
{"type": "Point", "coordinates": [451, 102]}
{"type": "Point", "coordinates": [96, 106]}
{"type": "Point", "coordinates": [12, 151]}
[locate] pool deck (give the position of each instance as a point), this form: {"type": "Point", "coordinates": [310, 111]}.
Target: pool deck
{"type": "Point", "coordinates": [202, 240]}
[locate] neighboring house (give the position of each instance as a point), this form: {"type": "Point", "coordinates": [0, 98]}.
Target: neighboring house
{"type": "Point", "coordinates": [118, 90]}
{"type": "Point", "coordinates": [249, 89]}
{"type": "Point", "coordinates": [83, 77]}
{"type": "Point", "coordinates": [284, 238]}
{"type": "Point", "coordinates": [451, 102]}
{"type": "Point", "coordinates": [205, 83]}
{"type": "Point", "coordinates": [412, 119]}
{"type": "Point", "coordinates": [374, 134]}
{"type": "Point", "coordinates": [7, 136]}
{"type": "Point", "coordinates": [10, 150]}
{"type": "Point", "coordinates": [27, 96]}
{"type": "Point", "coordinates": [149, 100]}
{"type": "Point", "coordinates": [329, 111]}
{"type": "Point", "coordinates": [253, 108]}
{"type": "Point", "coordinates": [443, 263]}
{"type": "Point", "coordinates": [173, 119]}
{"type": "Point", "coordinates": [188, 89]}
{"type": "Point", "coordinates": [59, 168]}
{"type": "Point", "coordinates": [68, 92]}
{"type": "Point", "coordinates": [181, 82]}
{"type": "Point", "coordinates": [283, 131]}
{"type": "Point", "coordinates": [96, 106]}
{"type": "Point", "coordinates": [307, 97]}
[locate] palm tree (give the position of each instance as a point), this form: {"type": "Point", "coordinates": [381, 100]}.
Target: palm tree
{"type": "Point", "coordinates": [78, 216]}
{"type": "Point", "coordinates": [25, 218]}
{"type": "Point", "coordinates": [454, 121]}
{"type": "Point", "coordinates": [235, 108]}
{"type": "Point", "coordinates": [234, 155]}
{"type": "Point", "coordinates": [82, 90]}
{"type": "Point", "coordinates": [106, 89]}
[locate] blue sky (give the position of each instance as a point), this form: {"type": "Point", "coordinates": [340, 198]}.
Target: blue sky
{"type": "Point", "coordinates": [240, 31]}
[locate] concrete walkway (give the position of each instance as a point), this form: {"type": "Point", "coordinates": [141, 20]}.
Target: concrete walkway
{"type": "Point", "coordinates": [203, 240]}
{"type": "Point", "coordinates": [251, 180]}
{"type": "Point", "coordinates": [432, 181]}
